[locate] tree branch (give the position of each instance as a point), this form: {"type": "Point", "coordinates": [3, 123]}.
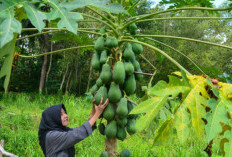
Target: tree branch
{"type": "Point", "coordinates": [3, 152]}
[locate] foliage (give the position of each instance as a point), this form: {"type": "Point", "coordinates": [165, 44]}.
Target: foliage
{"type": "Point", "coordinates": [193, 102]}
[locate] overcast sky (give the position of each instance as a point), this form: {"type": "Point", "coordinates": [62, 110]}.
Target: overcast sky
{"type": "Point", "coordinates": [216, 2]}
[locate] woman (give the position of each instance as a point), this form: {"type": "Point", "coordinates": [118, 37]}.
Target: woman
{"type": "Point", "coordinates": [56, 139]}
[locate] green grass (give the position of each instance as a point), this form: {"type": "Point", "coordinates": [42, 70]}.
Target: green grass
{"type": "Point", "coordinates": [19, 123]}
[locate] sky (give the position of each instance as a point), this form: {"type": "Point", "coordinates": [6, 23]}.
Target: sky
{"type": "Point", "coordinates": [216, 2]}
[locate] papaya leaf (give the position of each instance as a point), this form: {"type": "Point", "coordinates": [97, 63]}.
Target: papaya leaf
{"type": "Point", "coordinates": [151, 108]}
{"type": "Point", "coordinates": [214, 117]}
{"type": "Point", "coordinates": [162, 134]}
{"type": "Point", "coordinates": [67, 19]}
{"type": "Point", "coordinates": [8, 26]}
{"type": "Point", "coordinates": [36, 17]}
{"type": "Point", "coordinates": [181, 122]}
{"type": "Point", "coordinates": [228, 145]}
{"type": "Point", "coordinates": [100, 4]}
{"type": "Point", "coordinates": [194, 101]}
{"type": "Point", "coordinates": [174, 87]}
{"type": "Point", "coordinates": [7, 51]}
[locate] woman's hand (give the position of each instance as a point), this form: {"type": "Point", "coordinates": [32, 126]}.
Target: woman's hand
{"type": "Point", "coordinates": [97, 110]}
{"type": "Point", "coordinates": [100, 108]}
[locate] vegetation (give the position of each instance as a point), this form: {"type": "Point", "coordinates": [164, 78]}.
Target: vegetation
{"type": "Point", "coordinates": [121, 38]}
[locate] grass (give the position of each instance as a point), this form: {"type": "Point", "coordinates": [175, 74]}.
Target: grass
{"type": "Point", "coordinates": [19, 123]}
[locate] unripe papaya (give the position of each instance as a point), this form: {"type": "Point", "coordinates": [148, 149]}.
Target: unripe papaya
{"type": "Point", "coordinates": [139, 77]}
{"type": "Point", "coordinates": [130, 85]}
{"type": "Point", "coordinates": [96, 61]}
{"type": "Point", "coordinates": [105, 73]}
{"type": "Point", "coordinates": [132, 28]}
{"type": "Point", "coordinates": [114, 93]}
{"type": "Point", "coordinates": [103, 57]}
{"type": "Point", "coordinates": [99, 44]}
{"type": "Point", "coordinates": [93, 89]}
{"type": "Point", "coordinates": [121, 121]}
{"type": "Point", "coordinates": [99, 82]}
{"type": "Point", "coordinates": [102, 30]}
{"type": "Point", "coordinates": [108, 42]}
{"type": "Point", "coordinates": [114, 42]}
{"type": "Point", "coordinates": [111, 129]}
{"type": "Point", "coordinates": [131, 126]}
{"type": "Point", "coordinates": [129, 68]}
{"type": "Point", "coordinates": [122, 109]}
{"type": "Point", "coordinates": [104, 154]}
{"type": "Point", "coordinates": [125, 153]}
{"type": "Point", "coordinates": [137, 48]}
{"type": "Point", "coordinates": [101, 128]}
{"type": "Point", "coordinates": [130, 106]}
{"type": "Point", "coordinates": [121, 133]}
{"type": "Point", "coordinates": [102, 93]}
{"type": "Point", "coordinates": [136, 65]}
{"type": "Point", "coordinates": [119, 73]}
{"type": "Point", "coordinates": [109, 112]}
{"type": "Point", "coordinates": [128, 53]}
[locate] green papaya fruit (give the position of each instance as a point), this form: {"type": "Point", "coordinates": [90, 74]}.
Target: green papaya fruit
{"type": "Point", "coordinates": [99, 44]}
{"type": "Point", "coordinates": [122, 109]}
{"type": "Point", "coordinates": [129, 68]}
{"type": "Point", "coordinates": [104, 154]}
{"type": "Point", "coordinates": [139, 77]}
{"type": "Point", "coordinates": [109, 112]}
{"type": "Point", "coordinates": [131, 126]}
{"type": "Point", "coordinates": [93, 89]}
{"type": "Point", "coordinates": [102, 93]}
{"type": "Point", "coordinates": [125, 153]}
{"type": "Point", "coordinates": [137, 48]}
{"type": "Point", "coordinates": [136, 65]}
{"type": "Point", "coordinates": [132, 29]}
{"type": "Point", "coordinates": [103, 57]}
{"type": "Point", "coordinates": [96, 61]}
{"type": "Point", "coordinates": [101, 128]}
{"type": "Point", "coordinates": [105, 73]}
{"type": "Point", "coordinates": [128, 53]}
{"type": "Point", "coordinates": [121, 121]}
{"type": "Point", "coordinates": [119, 73]}
{"type": "Point", "coordinates": [99, 82]}
{"type": "Point", "coordinates": [111, 129]}
{"type": "Point", "coordinates": [114, 93]}
{"type": "Point", "coordinates": [114, 42]}
{"type": "Point", "coordinates": [130, 106]}
{"type": "Point", "coordinates": [121, 133]}
{"type": "Point", "coordinates": [102, 30]}
{"type": "Point", "coordinates": [130, 85]}
{"type": "Point", "coordinates": [108, 42]}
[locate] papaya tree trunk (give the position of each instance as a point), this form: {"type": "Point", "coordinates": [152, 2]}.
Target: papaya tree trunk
{"type": "Point", "coordinates": [111, 146]}
{"type": "Point", "coordinates": [49, 69]}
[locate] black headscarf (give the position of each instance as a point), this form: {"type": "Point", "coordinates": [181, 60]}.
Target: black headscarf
{"type": "Point", "coordinates": [51, 120]}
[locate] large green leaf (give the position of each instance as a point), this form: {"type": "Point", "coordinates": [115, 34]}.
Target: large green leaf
{"type": "Point", "coordinates": [228, 145]}
{"type": "Point", "coordinates": [151, 108]}
{"type": "Point", "coordinates": [100, 4]}
{"type": "Point", "coordinates": [162, 134]}
{"type": "Point", "coordinates": [214, 117]}
{"type": "Point", "coordinates": [8, 26]}
{"type": "Point", "coordinates": [194, 101]}
{"type": "Point", "coordinates": [36, 17]}
{"type": "Point", "coordinates": [67, 19]}
{"type": "Point", "coordinates": [7, 51]}
{"type": "Point", "coordinates": [181, 122]}
{"type": "Point", "coordinates": [174, 87]}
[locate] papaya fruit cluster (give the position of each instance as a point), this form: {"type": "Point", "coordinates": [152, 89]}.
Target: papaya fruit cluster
{"type": "Point", "coordinates": [116, 81]}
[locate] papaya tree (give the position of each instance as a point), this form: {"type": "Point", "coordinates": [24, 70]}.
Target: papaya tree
{"type": "Point", "coordinates": [117, 47]}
